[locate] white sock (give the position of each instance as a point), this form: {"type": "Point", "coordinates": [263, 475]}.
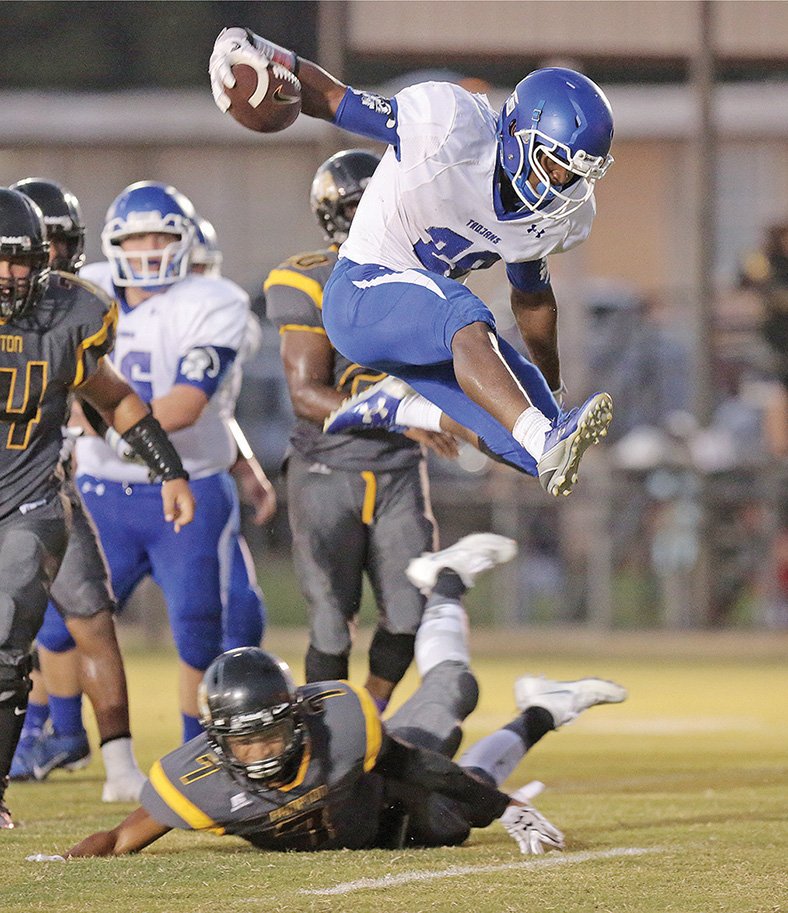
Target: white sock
{"type": "Point", "coordinates": [497, 754]}
{"type": "Point", "coordinates": [442, 636]}
{"type": "Point", "coordinates": [417, 412]}
{"type": "Point", "coordinates": [119, 760]}
{"type": "Point", "coordinates": [530, 429]}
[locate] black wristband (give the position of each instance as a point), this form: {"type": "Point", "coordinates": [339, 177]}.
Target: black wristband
{"type": "Point", "coordinates": [296, 64]}
{"type": "Point", "coordinates": [149, 441]}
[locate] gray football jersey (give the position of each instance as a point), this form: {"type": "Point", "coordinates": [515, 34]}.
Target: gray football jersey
{"type": "Point", "coordinates": [43, 356]}
{"type": "Point", "coordinates": [294, 301]}
{"type": "Point", "coordinates": [332, 801]}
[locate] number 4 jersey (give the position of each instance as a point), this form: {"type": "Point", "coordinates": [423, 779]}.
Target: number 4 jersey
{"type": "Point", "coordinates": [431, 202]}
{"type": "Point", "coordinates": [43, 357]}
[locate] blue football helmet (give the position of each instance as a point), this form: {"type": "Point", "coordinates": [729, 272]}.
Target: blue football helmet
{"type": "Point", "coordinates": [206, 256]}
{"type": "Point", "coordinates": [144, 208]}
{"type": "Point", "coordinates": [563, 115]}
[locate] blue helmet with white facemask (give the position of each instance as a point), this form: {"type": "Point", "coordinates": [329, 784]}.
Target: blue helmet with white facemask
{"type": "Point", "coordinates": [149, 207]}
{"type": "Point", "coordinates": [560, 115]}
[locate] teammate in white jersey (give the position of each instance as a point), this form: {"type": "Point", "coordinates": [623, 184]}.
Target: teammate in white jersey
{"type": "Point", "coordinates": [179, 338]}
{"type": "Point", "coordinates": [459, 188]}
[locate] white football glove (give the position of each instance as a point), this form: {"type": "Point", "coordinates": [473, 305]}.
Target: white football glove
{"type": "Point", "coordinates": [124, 450]}
{"type": "Point", "coordinates": [237, 45]}
{"type": "Point", "coordinates": [71, 434]}
{"type": "Point", "coordinates": [532, 831]}
{"type": "Point", "coordinates": [42, 857]}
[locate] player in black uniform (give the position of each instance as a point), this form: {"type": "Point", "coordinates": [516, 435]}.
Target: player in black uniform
{"type": "Point", "coordinates": [84, 596]}
{"type": "Point", "coordinates": [314, 768]}
{"type": "Point", "coordinates": [357, 503]}
{"type": "Point", "coordinates": [54, 331]}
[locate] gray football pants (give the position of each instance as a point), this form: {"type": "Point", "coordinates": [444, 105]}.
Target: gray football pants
{"type": "Point", "coordinates": [346, 523]}
{"type": "Point", "coordinates": [32, 546]}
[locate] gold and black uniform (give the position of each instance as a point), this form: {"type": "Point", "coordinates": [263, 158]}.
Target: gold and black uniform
{"type": "Point", "coordinates": [357, 503]}
{"type": "Point", "coordinates": [341, 794]}
{"type": "Point", "coordinates": [43, 357]}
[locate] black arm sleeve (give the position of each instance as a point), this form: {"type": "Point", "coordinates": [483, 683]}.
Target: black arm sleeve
{"type": "Point", "coordinates": [149, 441]}
{"type": "Point", "coordinates": [436, 773]}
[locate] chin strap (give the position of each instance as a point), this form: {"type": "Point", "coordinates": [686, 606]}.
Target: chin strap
{"type": "Point", "coordinates": [149, 441]}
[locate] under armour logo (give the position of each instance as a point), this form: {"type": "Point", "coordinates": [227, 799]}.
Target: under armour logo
{"type": "Point", "coordinates": [368, 412]}
{"type": "Point", "coordinates": [538, 231]}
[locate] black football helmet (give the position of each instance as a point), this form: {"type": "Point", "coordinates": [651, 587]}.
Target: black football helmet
{"type": "Point", "coordinates": [62, 217]}
{"type": "Point", "coordinates": [338, 184]}
{"type": "Point", "coordinates": [22, 241]}
{"type": "Point", "coordinates": [244, 692]}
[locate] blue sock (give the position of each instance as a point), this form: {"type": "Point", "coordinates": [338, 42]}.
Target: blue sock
{"type": "Point", "coordinates": [37, 715]}
{"type": "Point", "coordinates": [66, 713]}
{"type": "Point", "coordinates": [191, 727]}
{"type": "Point", "coordinates": [380, 703]}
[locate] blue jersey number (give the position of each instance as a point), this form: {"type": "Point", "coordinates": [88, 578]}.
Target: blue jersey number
{"type": "Point", "coordinates": [442, 254]}
{"type": "Point", "coordinates": [135, 367]}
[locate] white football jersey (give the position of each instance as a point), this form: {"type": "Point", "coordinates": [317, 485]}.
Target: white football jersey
{"type": "Point", "coordinates": [433, 208]}
{"type": "Point", "coordinates": [195, 317]}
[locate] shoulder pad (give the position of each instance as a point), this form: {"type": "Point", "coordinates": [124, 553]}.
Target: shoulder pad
{"type": "Point", "coordinates": [71, 280]}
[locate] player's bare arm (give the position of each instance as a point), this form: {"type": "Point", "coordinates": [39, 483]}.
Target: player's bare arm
{"type": "Point", "coordinates": [180, 407]}
{"type": "Point", "coordinates": [536, 314]}
{"type": "Point", "coordinates": [130, 836]}
{"type": "Point", "coordinates": [120, 407]}
{"type": "Point", "coordinates": [308, 360]}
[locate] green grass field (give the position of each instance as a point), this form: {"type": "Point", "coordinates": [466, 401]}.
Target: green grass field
{"type": "Point", "coordinates": [676, 800]}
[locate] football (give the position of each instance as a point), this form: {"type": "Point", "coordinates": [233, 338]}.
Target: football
{"type": "Point", "coordinates": [265, 108]}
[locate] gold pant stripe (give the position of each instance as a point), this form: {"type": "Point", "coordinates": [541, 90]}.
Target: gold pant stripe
{"type": "Point", "coordinates": [370, 492]}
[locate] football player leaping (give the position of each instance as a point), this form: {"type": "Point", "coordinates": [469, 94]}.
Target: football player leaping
{"type": "Point", "coordinates": [460, 187]}
{"type": "Point", "coordinates": [313, 768]}
{"type": "Point", "coordinates": [55, 330]}
{"type": "Point", "coordinates": [178, 343]}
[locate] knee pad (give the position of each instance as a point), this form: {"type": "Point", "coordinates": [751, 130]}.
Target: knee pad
{"type": "Point", "coordinates": [442, 637]}
{"type": "Point", "coordinates": [390, 654]}
{"type": "Point", "coordinates": [321, 667]}
{"type": "Point", "coordinates": [53, 633]}
{"type": "Point", "coordinates": [457, 687]}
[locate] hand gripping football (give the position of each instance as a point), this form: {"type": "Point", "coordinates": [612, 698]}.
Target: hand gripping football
{"type": "Point", "coordinates": [265, 100]}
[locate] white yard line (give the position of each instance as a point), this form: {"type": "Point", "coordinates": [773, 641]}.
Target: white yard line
{"type": "Point", "coordinates": [543, 862]}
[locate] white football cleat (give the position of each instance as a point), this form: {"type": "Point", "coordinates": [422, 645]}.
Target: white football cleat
{"type": "Point", "coordinates": [127, 788]}
{"type": "Point", "coordinates": [468, 557]}
{"type": "Point", "coordinates": [565, 700]}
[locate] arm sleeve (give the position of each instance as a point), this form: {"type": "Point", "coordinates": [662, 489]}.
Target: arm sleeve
{"type": "Point", "coordinates": [436, 773]}
{"type": "Point", "coordinates": [533, 276]}
{"type": "Point", "coordinates": [368, 115]}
